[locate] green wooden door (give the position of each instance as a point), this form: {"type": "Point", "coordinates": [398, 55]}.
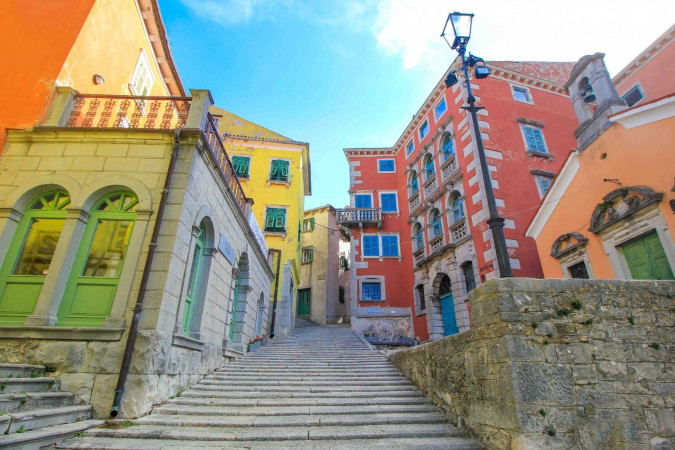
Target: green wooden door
{"type": "Point", "coordinates": [304, 302]}
{"type": "Point", "coordinates": [30, 254]}
{"type": "Point", "coordinates": [235, 301]}
{"type": "Point", "coordinates": [193, 281]}
{"type": "Point", "coordinates": [646, 258]}
{"type": "Point", "coordinates": [91, 288]}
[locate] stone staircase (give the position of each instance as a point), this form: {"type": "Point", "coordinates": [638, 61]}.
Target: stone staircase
{"type": "Point", "coordinates": [32, 414]}
{"type": "Point", "coordinates": [320, 388]}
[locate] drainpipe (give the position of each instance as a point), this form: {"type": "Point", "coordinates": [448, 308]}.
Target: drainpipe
{"type": "Point", "coordinates": [276, 290]}
{"type": "Point", "coordinates": [133, 330]}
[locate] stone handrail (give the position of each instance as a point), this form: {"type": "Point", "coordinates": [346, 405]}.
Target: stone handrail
{"type": "Point", "coordinates": [352, 216]}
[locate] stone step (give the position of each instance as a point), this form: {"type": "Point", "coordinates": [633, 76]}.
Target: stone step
{"type": "Point", "coordinates": [39, 418]}
{"type": "Point", "coordinates": [220, 410]}
{"type": "Point", "coordinates": [346, 390]}
{"type": "Point", "coordinates": [19, 370]}
{"type": "Point", "coordinates": [340, 373]}
{"type": "Point", "coordinates": [336, 383]}
{"type": "Point", "coordinates": [298, 366]}
{"type": "Point", "coordinates": [42, 437]}
{"type": "Point", "coordinates": [203, 393]}
{"type": "Point", "coordinates": [418, 443]}
{"type": "Point", "coordinates": [319, 401]}
{"type": "Point", "coordinates": [32, 400]}
{"type": "Point", "coordinates": [14, 385]}
{"type": "Point", "coordinates": [277, 433]}
{"type": "Point", "coordinates": [290, 420]}
{"type": "Point", "coordinates": [302, 378]}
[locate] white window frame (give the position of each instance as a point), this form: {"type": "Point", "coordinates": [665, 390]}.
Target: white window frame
{"type": "Point", "coordinates": [386, 171]}
{"type": "Point", "coordinates": [354, 194]}
{"type": "Point", "coordinates": [310, 250]}
{"type": "Point", "coordinates": [398, 207]}
{"type": "Point", "coordinates": [371, 279]}
{"type": "Point", "coordinates": [276, 233]}
{"type": "Point", "coordinates": [379, 246]}
{"type": "Point", "coordinates": [411, 143]}
{"type": "Point", "coordinates": [142, 63]}
{"type": "Point", "coordinates": [637, 85]}
{"type": "Point", "coordinates": [547, 154]}
{"type": "Point", "coordinates": [523, 88]}
{"type": "Point", "coordinates": [436, 116]}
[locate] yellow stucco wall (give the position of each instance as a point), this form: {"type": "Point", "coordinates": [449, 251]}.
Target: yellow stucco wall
{"type": "Point", "coordinates": [109, 44]}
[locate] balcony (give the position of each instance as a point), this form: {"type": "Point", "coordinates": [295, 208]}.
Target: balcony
{"type": "Point", "coordinates": [419, 256]}
{"type": "Point", "coordinates": [414, 201]}
{"type": "Point", "coordinates": [458, 231]}
{"type": "Point", "coordinates": [430, 186]}
{"type": "Point", "coordinates": [436, 243]}
{"type": "Point", "coordinates": [359, 216]}
{"type": "Point", "coordinates": [450, 168]}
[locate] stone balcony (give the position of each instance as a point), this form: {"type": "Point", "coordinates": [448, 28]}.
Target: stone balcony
{"type": "Point", "coordinates": [414, 201]}
{"type": "Point", "coordinates": [436, 243]}
{"type": "Point", "coordinates": [458, 231]}
{"type": "Point", "coordinates": [430, 186]}
{"type": "Point", "coordinates": [359, 216]}
{"type": "Point", "coordinates": [419, 256]}
{"type": "Point", "coordinates": [450, 168]}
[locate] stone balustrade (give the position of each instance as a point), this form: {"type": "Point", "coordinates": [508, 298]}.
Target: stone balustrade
{"type": "Point", "coordinates": [415, 201]}
{"type": "Point", "coordinates": [458, 230]}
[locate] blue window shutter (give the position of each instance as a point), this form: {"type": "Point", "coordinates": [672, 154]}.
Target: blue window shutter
{"type": "Point", "coordinates": [539, 139]}
{"type": "Point", "coordinates": [388, 202]}
{"type": "Point", "coordinates": [389, 246]}
{"type": "Point", "coordinates": [363, 201]}
{"type": "Point", "coordinates": [531, 141]}
{"type": "Point", "coordinates": [371, 246]}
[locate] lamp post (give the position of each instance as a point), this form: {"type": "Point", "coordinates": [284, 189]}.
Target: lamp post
{"type": "Point", "coordinates": [461, 29]}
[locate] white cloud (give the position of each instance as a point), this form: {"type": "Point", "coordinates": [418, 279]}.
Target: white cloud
{"type": "Point", "coordinates": [234, 12]}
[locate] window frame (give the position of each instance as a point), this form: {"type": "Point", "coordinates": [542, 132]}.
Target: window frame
{"type": "Point", "coordinates": [363, 194]}
{"type": "Point", "coordinates": [428, 161]}
{"type": "Point", "coordinates": [436, 225]}
{"type": "Point", "coordinates": [280, 208]}
{"type": "Point", "coordinates": [311, 226]}
{"type": "Point", "coordinates": [409, 148]}
{"type": "Point", "coordinates": [450, 138]}
{"type": "Point", "coordinates": [395, 194]}
{"type": "Point", "coordinates": [468, 282]}
{"type": "Point", "coordinates": [525, 90]}
{"type": "Point", "coordinates": [422, 127]}
{"type": "Point", "coordinates": [523, 132]}
{"type": "Point", "coordinates": [459, 207]}
{"type": "Point", "coordinates": [288, 175]}
{"type": "Point", "coordinates": [442, 101]}
{"type": "Point", "coordinates": [380, 246]}
{"type": "Point", "coordinates": [379, 168]}
{"type": "Point", "coordinates": [307, 254]}
{"type": "Point", "coordinates": [247, 175]}
{"type": "Point", "coordinates": [640, 89]}
{"type": "Point", "coordinates": [372, 279]}
{"type": "Point", "coordinates": [133, 85]}
{"type": "Point", "coordinates": [538, 178]}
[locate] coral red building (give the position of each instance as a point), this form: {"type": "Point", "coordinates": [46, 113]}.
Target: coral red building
{"type": "Point", "coordinates": [418, 211]}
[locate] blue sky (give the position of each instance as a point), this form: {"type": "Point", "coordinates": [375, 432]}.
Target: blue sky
{"type": "Point", "coordinates": [351, 73]}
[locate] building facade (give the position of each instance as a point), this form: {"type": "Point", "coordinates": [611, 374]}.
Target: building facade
{"type": "Point", "coordinates": [275, 171]}
{"type": "Point", "coordinates": [621, 227]}
{"type": "Point", "coordinates": [120, 213]}
{"type": "Point", "coordinates": [427, 191]}
{"type": "Point", "coordinates": [322, 294]}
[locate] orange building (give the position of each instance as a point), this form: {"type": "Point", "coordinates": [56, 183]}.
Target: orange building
{"type": "Point", "coordinates": [609, 213]}
{"type": "Point", "coordinates": [41, 53]}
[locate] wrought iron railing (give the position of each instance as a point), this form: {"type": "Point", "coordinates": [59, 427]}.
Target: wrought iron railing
{"type": "Point", "coordinates": [217, 148]}
{"type": "Point", "coordinates": [125, 111]}
{"type": "Point", "coordinates": [355, 216]}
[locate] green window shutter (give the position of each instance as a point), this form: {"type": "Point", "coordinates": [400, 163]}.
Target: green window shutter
{"type": "Point", "coordinates": [269, 220]}
{"type": "Point", "coordinates": [280, 221]}
{"type": "Point", "coordinates": [274, 170]}
{"type": "Point", "coordinates": [284, 169]}
{"type": "Point", "coordinates": [311, 224]}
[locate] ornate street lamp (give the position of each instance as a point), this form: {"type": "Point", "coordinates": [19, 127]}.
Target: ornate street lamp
{"type": "Point", "coordinates": [461, 30]}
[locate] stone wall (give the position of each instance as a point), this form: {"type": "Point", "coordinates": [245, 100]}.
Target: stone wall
{"type": "Point", "coordinates": [558, 364]}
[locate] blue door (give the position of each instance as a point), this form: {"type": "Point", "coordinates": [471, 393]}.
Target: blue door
{"type": "Point", "coordinates": [448, 312]}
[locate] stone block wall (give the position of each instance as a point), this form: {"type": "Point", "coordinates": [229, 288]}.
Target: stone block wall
{"type": "Point", "coordinates": [558, 364]}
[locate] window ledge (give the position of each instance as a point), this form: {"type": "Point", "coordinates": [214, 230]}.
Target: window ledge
{"type": "Point", "coordinates": [284, 183]}
{"type": "Point", "coordinates": [391, 212]}
{"type": "Point", "coordinates": [420, 313]}
{"type": "Point", "coordinates": [548, 156]}
{"type": "Point", "coordinates": [372, 301]}
{"type": "Point", "coordinates": [62, 333]}
{"type": "Point", "coordinates": [187, 342]}
{"type": "Point", "coordinates": [275, 233]}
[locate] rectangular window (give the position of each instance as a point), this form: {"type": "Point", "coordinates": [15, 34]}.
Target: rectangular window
{"type": "Point", "coordinates": [440, 109]}
{"type": "Point", "coordinates": [279, 170]}
{"type": "Point", "coordinates": [308, 224]}
{"type": "Point", "coordinates": [371, 246]}
{"type": "Point", "coordinates": [424, 129]}
{"type": "Point", "coordinates": [344, 263]}
{"type": "Point", "coordinates": [363, 201]}
{"type": "Point", "coordinates": [521, 94]}
{"type": "Point", "coordinates": [535, 139]}
{"type": "Point", "coordinates": [388, 202]}
{"type": "Point", "coordinates": [469, 279]}
{"type": "Point", "coordinates": [275, 220]}
{"type": "Point", "coordinates": [371, 291]}
{"type": "Point", "coordinates": [633, 96]}
{"type": "Point", "coordinates": [385, 165]}
{"type": "Point", "coordinates": [307, 255]}
{"type": "Point", "coordinates": [409, 148]}
{"type": "Point", "coordinates": [240, 164]}
{"type": "Point", "coordinates": [390, 245]}
{"type": "Point", "coordinates": [142, 79]}
{"type": "Point", "coordinates": [543, 184]}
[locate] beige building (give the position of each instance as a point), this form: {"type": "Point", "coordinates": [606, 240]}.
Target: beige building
{"type": "Point", "coordinates": [322, 294]}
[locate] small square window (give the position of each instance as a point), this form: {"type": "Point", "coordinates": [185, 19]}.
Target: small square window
{"type": "Point", "coordinates": [409, 148]}
{"type": "Point", "coordinates": [308, 224]}
{"type": "Point", "coordinates": [371, 291]}
{"type": "Point", "coordinates": [388, 202]}
{"type": "Point", "coordinates": [279, 170]}
{"type": "Point", "coordinates": [240, 164]}
{"type": "Point", "coordinates": [371, 246]}
{"type": "Point", "coordinates": [424, 129]}
{"type": "Point", "coordinates": [275, 220]}
{"type": "Point", "coordinates": [521, 94]}
{"type": "Point", "coordinates": [440, 109]}
{"type": "Point", "coordinates": [633, 96]}
{"type": "Point", "coordinates": [386, 165]}
{"type": "Point", "coordinates": [363, 201]}
{"type": "Point", "coordinates": [307, 255]}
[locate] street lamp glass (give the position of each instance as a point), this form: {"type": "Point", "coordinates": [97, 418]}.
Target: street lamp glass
{"type": "Point", "coordinates": [461, 26]}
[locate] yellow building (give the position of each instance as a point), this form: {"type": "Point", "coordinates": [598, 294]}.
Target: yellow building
{"type": "Point", "coordinates": [275, 172]}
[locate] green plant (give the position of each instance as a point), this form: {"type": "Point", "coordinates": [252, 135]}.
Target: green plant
{"type": "Point", "coordinates": [22, 429]}
{"type": "Point", "coordinates": [563, 312]}
{"type": "Point", "coordinates": [1, 413]}
{"type": "Point", "coordinates": [542, 412]}
{"type": "Point", "coordinates": [79, 434]}
{"type": "Point", "coordinates": [36, 373]}
{"type": "Point", "coordinates": [11, 375]}
{"type": "Point", "coordinates": [576, 304]}
{"type": "Point", "coordinates": [52, 382]}
{"type": "Point", "coordinates": [545, 341]}
{"type": "Point", "coordinates": [593, 356]}
{"type": "Point", "coordinates": [3, 385]}
{"type": "Point", "coordinates": [587, 322]}
{"type": "Point", "coordinates": [549, 335]}
{"type": "Point", "coordinates": [49, 368]}
{"type": "Point", "coordinates": [179, 393]}
{"type": "Point", "coordinates": [631, 321]}
{"type": "Point", "coordinates": [79, 419]}
{"type": "Point", "coordinates": [534, 325]}
{"type": "Point", "coordinates": [24, 399]}
{"type": "Point", "coordinates": [127, 423]}
{"type": "Point", "coordinates": [655, 345]}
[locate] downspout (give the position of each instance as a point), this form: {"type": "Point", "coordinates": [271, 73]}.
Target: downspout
{"type": "Point", "coordinates": [276, 290]}
{"type": "Point", "coordinates": [133, 330]}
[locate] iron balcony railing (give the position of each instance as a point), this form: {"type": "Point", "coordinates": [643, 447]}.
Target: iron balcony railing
{"type": "Point", "coordinates": [356, 216]}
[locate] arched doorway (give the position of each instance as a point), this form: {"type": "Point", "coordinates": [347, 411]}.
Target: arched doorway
{"type": "Point", "coordinates": [447, 306]}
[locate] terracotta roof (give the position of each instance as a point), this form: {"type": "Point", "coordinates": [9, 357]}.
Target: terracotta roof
{"type": "Point", "coordinates": [558, 72]}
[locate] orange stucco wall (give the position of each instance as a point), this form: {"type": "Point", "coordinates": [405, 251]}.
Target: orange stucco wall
{"type": "Point", "coordinates": [64, 43]}
{"type": "Point", "coordinates": [641, 156]}
{"type": "Point", "coordinates": [36, 39]}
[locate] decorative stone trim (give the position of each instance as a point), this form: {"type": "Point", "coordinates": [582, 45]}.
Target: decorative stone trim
{"type": "Point", "coordinates": [542, 173]}
{"type": "Point", "coordinates": [567, 243]}
{"type": "Point", "coordinates": [530, 122]}
{"type": "Point", "coordinates": [187, 342]}
{"type": "Point", "coordinates": [548, 156]}
{"type": "Point", "coordinates": [620, 204]}
{"type": "Point", "coordinates": [62, 333]}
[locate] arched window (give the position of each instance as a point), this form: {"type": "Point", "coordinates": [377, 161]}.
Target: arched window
{"type": "Point", "coordinates": [98, 263]}
{"type": "Point", "coordinates": [414, 183]}
{"type": "Point", "coordinates": [456, 206]}
{"type": "Point", "coordinates": [429, 166]}
{"type": "Point", "coordinates": [195, 293]}
{"type": "Point", "coordinates": [435, 221]}
{"type": "Point", "coordinates": [448, 146]}
{"type": "Point", "coordinates": [418, 236]}
{"type": "Point", "coordinates": [30, 254]}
